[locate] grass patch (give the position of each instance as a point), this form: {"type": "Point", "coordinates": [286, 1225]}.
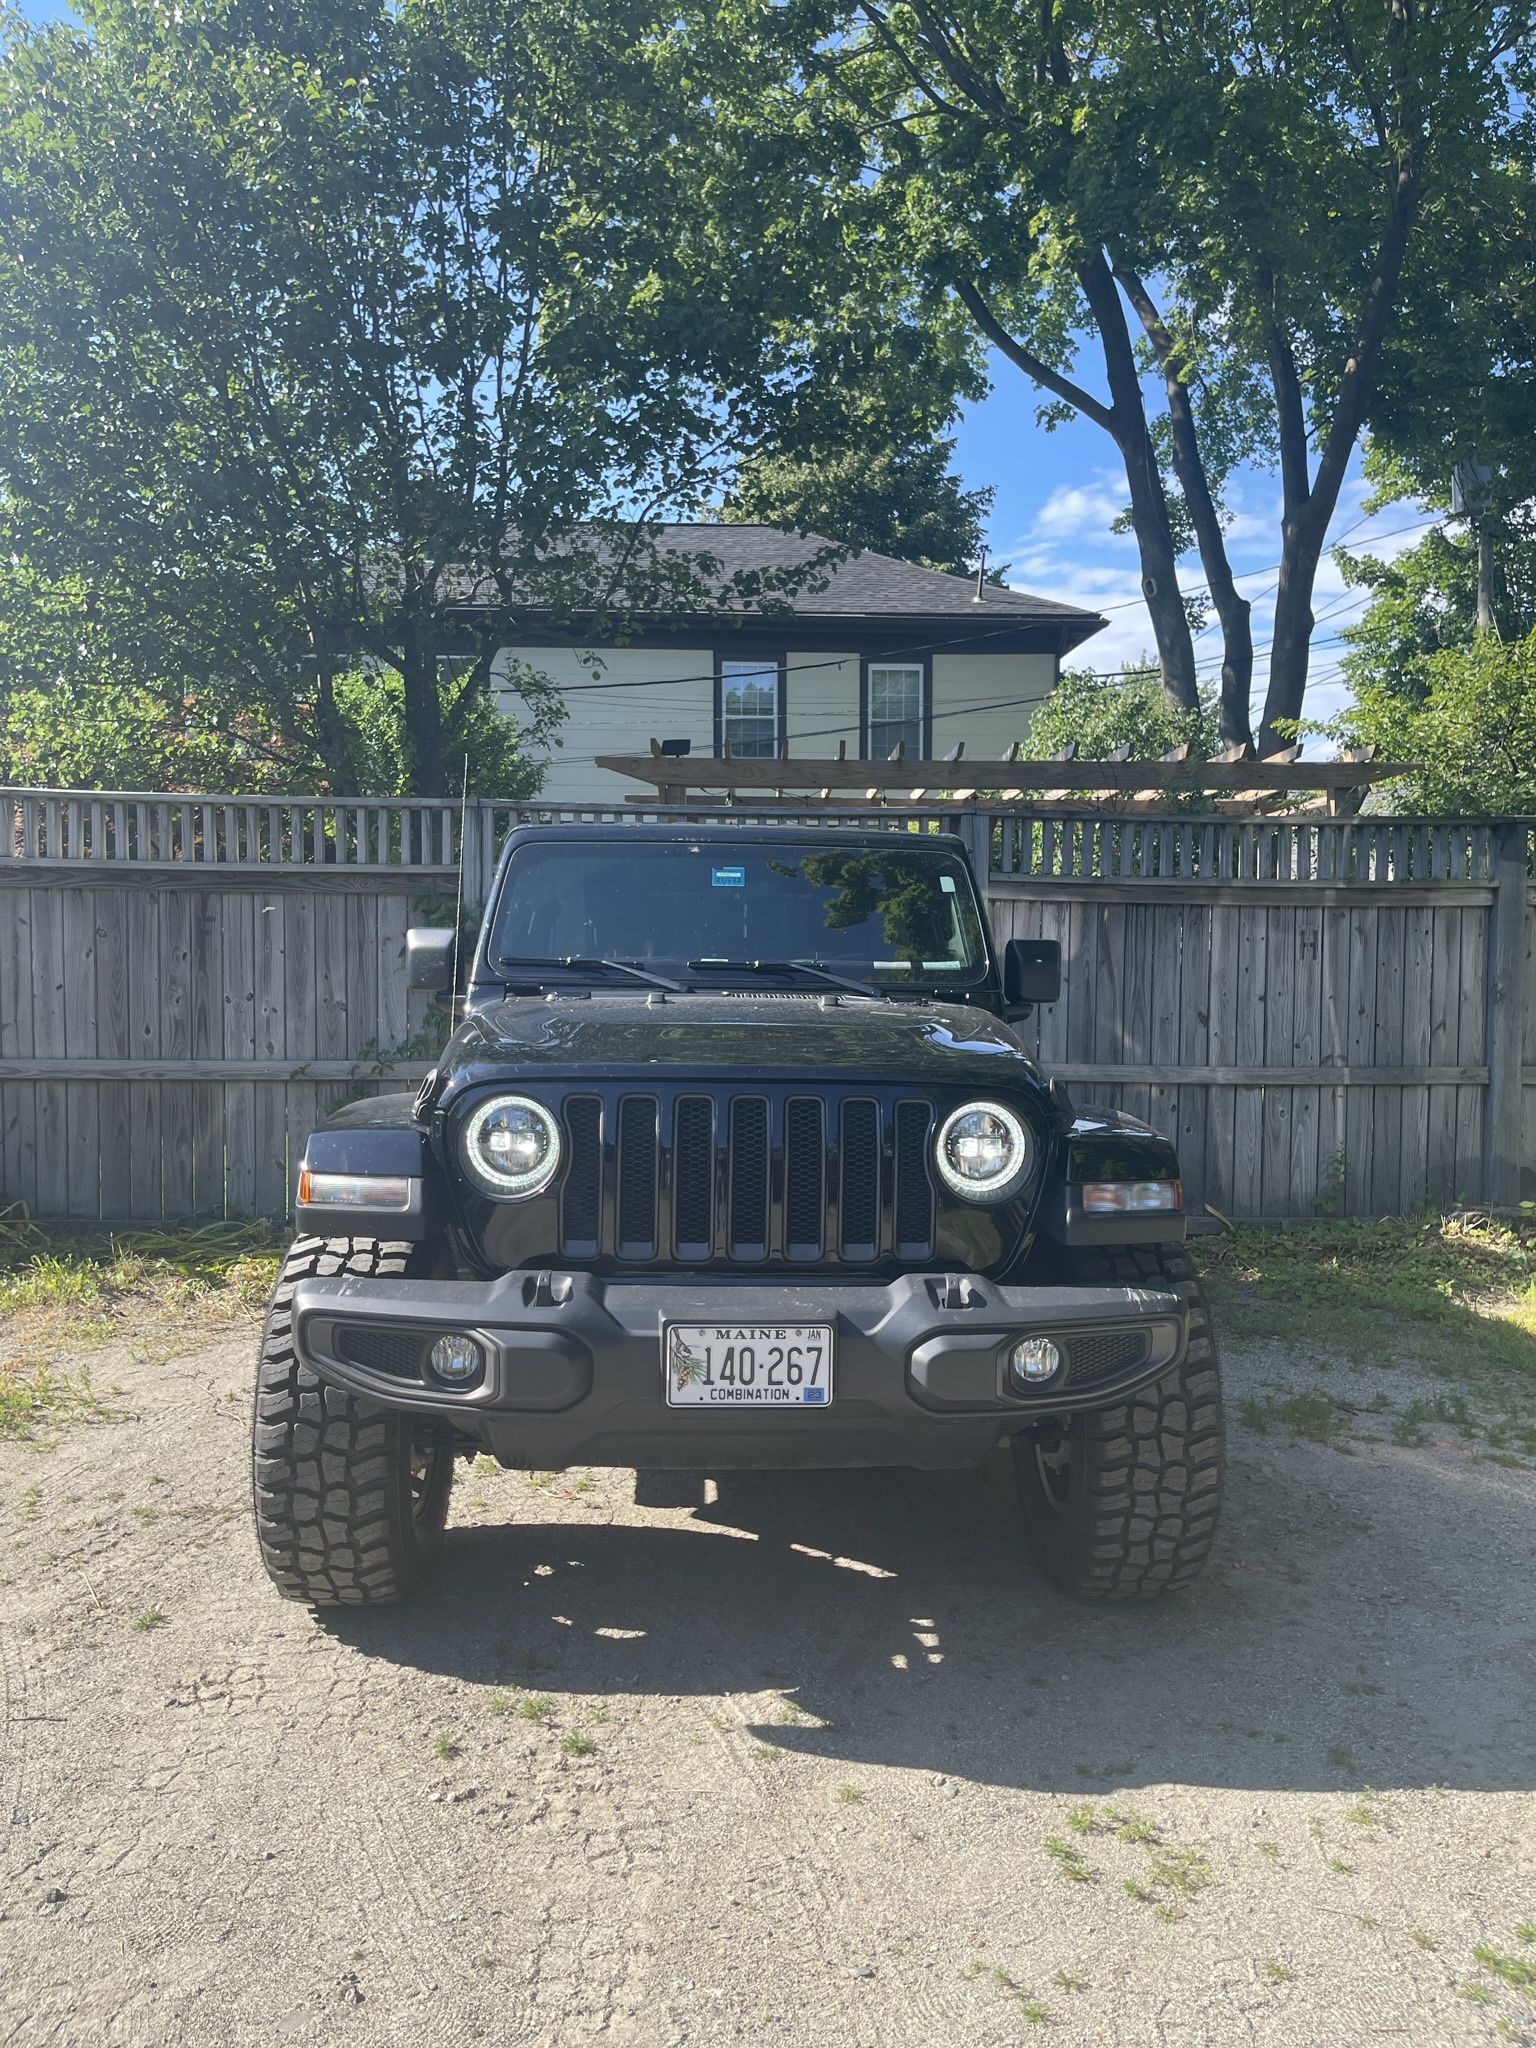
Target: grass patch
{"type": "Point", "coordinates": [577, 1745]}
{"type": "Point", "coordinates": [851, 1795]}
{"type": "Point", "coordinates": [445, 1749]}
{"type": "Point", "coordinates": [1464, 1286]}
{"type": "Point", "coordinates": [531, 1707]}
{"type": "Point", "coordinates": [83, 1285]}
{"type": "Point", "coordinates": [151, 1618]}
{"type": "Point", "coordinates": [35, 1400]}
{"type": "Point", "coordinates": [1317, 1417]}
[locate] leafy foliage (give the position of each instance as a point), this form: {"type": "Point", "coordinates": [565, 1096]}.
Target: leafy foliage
{"type": "Point", "coordinates": [356, 332]}
{"type": "Point", "coordinates": [1102, 714]}
{"type": "Point", "coordinates": [1472, 730]}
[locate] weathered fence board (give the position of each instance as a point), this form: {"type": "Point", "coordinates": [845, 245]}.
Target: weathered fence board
{"type": "Point", "coordinates": [1328, 1016]}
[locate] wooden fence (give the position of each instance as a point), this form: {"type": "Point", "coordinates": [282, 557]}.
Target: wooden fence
{"type": "Point", "coordinates": [1334, 1017]}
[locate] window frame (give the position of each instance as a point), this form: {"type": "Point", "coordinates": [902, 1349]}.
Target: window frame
{"type": "Point", "coordinates": [924, 664]}
{"type": "Point", "coordinates": [761, 657]}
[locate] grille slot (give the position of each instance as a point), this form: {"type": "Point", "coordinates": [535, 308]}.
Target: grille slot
{"type": "Point", "coordinates": [693, 1177]}
{"type": "Point", "coordinates": [914, 1189]}
{"type": "Point", "coordinates": [581, 1203]}
{"type": "Point", "coordinates": [1094, 1357]}
{"type": "Point", "coordinates": [772, 1173]}
{"type": "Point", "coordinates": [396, 1352]}
{"type": "Point", "coordinates": [638, 1154]}
{"type": "Point", "coordinates": [749, 1165]}
{"type": "Point", "coordinates": [859, 1181]}
{"type": "Point", "coordinates": [805, 1177]}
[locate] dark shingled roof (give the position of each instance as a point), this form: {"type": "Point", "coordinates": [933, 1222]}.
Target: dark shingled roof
{"type": "Point", "coordinates": [863, 586]}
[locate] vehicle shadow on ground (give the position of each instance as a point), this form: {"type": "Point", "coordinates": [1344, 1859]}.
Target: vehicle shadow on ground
{"type": "Point", "coordinates": [1365, 1621]}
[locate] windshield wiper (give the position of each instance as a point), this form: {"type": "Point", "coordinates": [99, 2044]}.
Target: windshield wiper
{"type": "Point", "coordinates": [860, 988]}
{"type": "Point", "coordinates": [583, 962]}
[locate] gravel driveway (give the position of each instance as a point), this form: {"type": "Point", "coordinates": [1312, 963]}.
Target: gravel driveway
{"type": "Point", "coordinates": [821, 1762]}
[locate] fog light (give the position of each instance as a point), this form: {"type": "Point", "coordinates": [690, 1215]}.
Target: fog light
{"type": "Point", "coordinates": [456, 1361]}
{"type": "Point", "coordinates": [1034, 1360]}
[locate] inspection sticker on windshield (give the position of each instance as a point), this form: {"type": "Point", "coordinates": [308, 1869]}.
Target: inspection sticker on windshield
{"type": "Point", "coordinates": [747, 1365]}
{"type": "Point", "coordinates": [728, 878]}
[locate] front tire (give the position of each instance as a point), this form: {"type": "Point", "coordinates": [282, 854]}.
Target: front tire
{"type": "Point", "coordinates": [1121, 1503]}
{"type": "Point", "coordinates": [351, 1500]}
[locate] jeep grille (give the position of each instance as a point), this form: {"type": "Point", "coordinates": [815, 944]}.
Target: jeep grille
{"type": "Point", "coordinates": [747, 1177]}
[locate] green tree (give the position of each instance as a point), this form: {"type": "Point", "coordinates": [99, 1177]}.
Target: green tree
{"type": "Point", "coordinates": [1423, 603]}
{"type": "Point", "coordinates": [338, 336]}
{"type": "Point", "coordinates": [1472, 734]}
{"type": "Point", "coordinates": [1237, 200]}
{"type": "Point", "coordinates": [899, 500]}
{"type": "Point", "coordinates": [1102, 714]}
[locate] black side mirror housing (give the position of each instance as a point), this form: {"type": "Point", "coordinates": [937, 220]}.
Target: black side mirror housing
{"type": "Point", "coordinates": [429, 957]}
{"type": "Point", "coordinates": [1031, 972]}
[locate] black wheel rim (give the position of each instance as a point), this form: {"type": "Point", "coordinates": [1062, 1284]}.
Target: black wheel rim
{"type": "Point", "coordinates": [424, 1467]}
{"type": "Point", "coordinates": [1053, 1468]}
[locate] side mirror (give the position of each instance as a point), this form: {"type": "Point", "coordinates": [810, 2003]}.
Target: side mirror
{"type": "Point", "coordinates": [1031, 971]}
{"type": "Point", "coordinates": [429, 957]}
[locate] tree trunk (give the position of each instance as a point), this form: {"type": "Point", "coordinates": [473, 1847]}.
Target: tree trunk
{"type": "Point", "coordinates": [1149, 502]}
{"type": "Point", "coordinates": [1232, 610]}
{"type": "Point", "coordinates": [1291, 648]}
{"type": "Point", "coordinates": [417, 657]}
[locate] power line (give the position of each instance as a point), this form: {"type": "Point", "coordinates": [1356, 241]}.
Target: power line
{"type": "Point", "coordinates": [966, 640]}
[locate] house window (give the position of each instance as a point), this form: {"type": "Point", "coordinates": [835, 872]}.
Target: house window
{"type": "Point", "coordinates": [896, 713]}
{"type": "Point", "coordinates": [750, 708]}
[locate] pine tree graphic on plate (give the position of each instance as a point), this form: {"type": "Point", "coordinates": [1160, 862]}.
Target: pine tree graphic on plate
{"type": "Point", "coordinates": [687, 1365]}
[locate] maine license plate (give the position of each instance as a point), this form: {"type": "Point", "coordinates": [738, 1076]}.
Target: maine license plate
{"type": "Point", "coordinates": [747, 1365]}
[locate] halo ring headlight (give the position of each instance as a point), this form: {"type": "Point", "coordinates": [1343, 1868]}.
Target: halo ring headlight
{"type": "Point", "coordinates": [511, 1147]}
{"type": "Point", "coordinates": [983, 1152]}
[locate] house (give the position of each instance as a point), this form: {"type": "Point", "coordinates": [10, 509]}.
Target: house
{"type": "Point", "coordinates": [870, 654]}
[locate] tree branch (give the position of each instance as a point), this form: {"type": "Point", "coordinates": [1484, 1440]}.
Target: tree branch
{"type": "Point", "coordinates": [1033, 367]}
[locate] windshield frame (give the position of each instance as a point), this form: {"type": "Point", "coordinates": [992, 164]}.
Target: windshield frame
{"type": "Point", "coordinates": [982, 989]}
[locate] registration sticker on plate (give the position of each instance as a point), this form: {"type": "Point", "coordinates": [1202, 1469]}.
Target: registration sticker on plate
{"type": "Point", "coordinates": [747, 1365]}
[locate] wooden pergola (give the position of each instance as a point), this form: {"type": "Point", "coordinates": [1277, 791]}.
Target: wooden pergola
{"type": "Point", "coordinates": [1237, 784]}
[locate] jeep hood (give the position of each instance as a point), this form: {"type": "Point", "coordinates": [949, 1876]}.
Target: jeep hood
{"type": "Point", "coordinates": [783, 1034]}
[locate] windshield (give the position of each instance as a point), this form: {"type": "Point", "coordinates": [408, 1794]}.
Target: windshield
{"type": "Point", "coordinates": [904, 914]}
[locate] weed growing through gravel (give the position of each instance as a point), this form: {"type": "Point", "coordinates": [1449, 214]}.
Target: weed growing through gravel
{"type": "Point", "coordinates": [34, 1401]}
{"type": "Point", "coordinates": [1317, 1417]}
{"type": "Point", "coordinates": [531, 1707]}
{"type": "Point", "coordinates": [1033, 2011]}
{"type": "Point", "coordinates": [1517, 1971]}
{"type": "Point", "coordinates": [1278, 1973]}
{"type": "Point", "coordinates": [851, 1795]}
{"type": "Point", "coordinates": [1070, 1860]}
{"type": "Point", "coordinates": [445, 1749]}
{"type": "Point", "coordinates": [577, 1745]}
{"type": "Point", "coordinates": [151, 1618]}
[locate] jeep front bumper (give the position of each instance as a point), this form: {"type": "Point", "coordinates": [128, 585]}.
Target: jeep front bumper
{"type": "Point", "coordinates": [573, 1369]}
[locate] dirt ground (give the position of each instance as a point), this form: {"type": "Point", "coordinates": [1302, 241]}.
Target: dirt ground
{"type": "Point", "coordinates": [822, 1762]}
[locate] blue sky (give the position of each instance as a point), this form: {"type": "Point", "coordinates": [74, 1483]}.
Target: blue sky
{"type": "Point", "coordinates": [1058, 494]}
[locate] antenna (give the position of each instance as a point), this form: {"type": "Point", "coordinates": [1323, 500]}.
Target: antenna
{"type": "Point", "coordinates": [458, 901]}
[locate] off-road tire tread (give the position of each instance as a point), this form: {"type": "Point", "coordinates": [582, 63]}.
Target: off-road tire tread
{"type": "Point", "coordinates": [1144, 1520]}
{"type": "Point", "coordinates": [331, 1472]}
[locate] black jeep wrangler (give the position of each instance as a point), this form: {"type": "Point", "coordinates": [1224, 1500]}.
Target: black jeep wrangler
{"type": "Point", "coordinates": [735, 1161]}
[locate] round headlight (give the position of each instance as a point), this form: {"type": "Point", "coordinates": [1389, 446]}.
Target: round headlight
{"type": "Point", "coordinates": [511, 1146]}
{"type": "Point", "coordinates": [983, 1152]}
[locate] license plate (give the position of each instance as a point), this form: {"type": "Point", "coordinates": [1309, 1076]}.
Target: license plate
{"type": "Point", "coordinates": [747, 1365]}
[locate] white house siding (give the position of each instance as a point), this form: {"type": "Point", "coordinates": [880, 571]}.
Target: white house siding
{"type": "Point", "coordinates": [821, 690]}
{"type": "Point", "coordinates": [975, 698]}
{"type": "Point", "coordinates": [619, 721]}
{"type": "Point", "coordinates": [963, 683]}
